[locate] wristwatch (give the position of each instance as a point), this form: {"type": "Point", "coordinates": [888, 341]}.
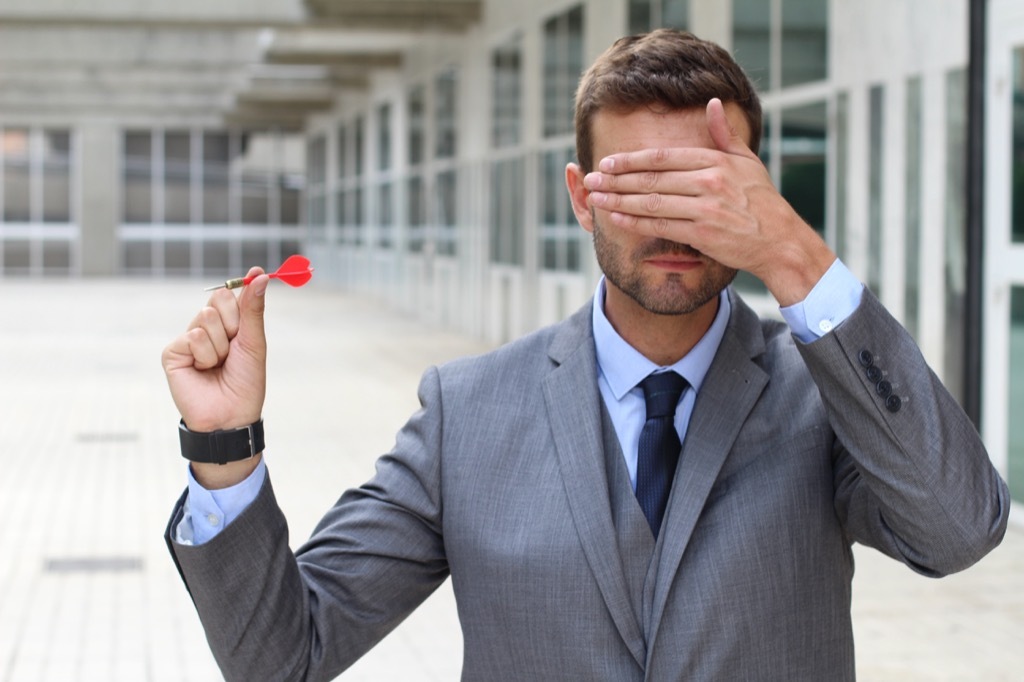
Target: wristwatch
{"type": "Point", "coordinates": [221, 447]}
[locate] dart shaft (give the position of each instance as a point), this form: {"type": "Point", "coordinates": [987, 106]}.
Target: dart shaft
{"type": "Point", "coordinates": [230, 284]}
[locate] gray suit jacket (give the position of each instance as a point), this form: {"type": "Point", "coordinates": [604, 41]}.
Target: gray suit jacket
{"type": "Point", "coordinates": [499, 481]}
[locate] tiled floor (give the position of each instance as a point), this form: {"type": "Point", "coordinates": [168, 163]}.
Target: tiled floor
{"type": "Point", "coordinates": [90, 469]}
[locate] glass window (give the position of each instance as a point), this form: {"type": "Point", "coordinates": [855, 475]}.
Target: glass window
{"type": "Point", "coordinates": [645, 15]}
{"type": "Point", "coordinates": [506, 214]}
{"type": "Point", "coordinates": [342, 158]}
{"type": "Point", "coordinates": [177, 177]}
{"type": "Point", "coordinates": [781, 43]}
{"type": "Point", "coordinates": [316, 161]}
{"type": "Point", "coordinates": [445, 115]}
{"type": "Point", "coordinates": [138, 177]}
{"type": "Point", "coordinates": [216, 256]}
{"type": "Point", "coordinates": [674, 13]}
{"type": "Point", "coordinates": [804, 41]}
{"type": "Point", "coordinates": [447, 212]}
{"type": "Point", "coordinates": [751, 39]}
{"type": "Point", "coordinates": [876, 138]}
{"type": "Point", "coordinates": [254, 198]}
{"type": "Point", "coordinates": [256, 188]}
{"type": "Point", "coordinates": [289, 192]}
{"type": "Point", "coordinates": [344, 210]}
{"type": "Point", "coordinates": [416, 212]}
{"type": "Point", "coordinates": [384, 137]}
{"type": "Point", "coordinates": [256, 253]}
{"type": "Point", "coordinates": [803, 162]}
{"type": "Point", "coordinates": [213, 177]}
{"type": "Point", "coordinates": [640, 20]}
{"type": "Point", "coordinates": [178, 257]}
{"type": "Point", "coordinates": [138, 256]}
{"type": "Point", "coordinates": [360, 149]}
{"type": "Point", "coordinates": [417, 125]}
{"type": "Point", "coordinates": [956, 221]}
{"type": "Point", "coordinates": [17, 175]}
{"type": "Point", "coordinates": [559, 232]}
{"type": "Point", "coordinates": [507, 95]}
{"type": "Point", "coordinates": [1018, 146]}
{"type": "Point", "coordinates": [385, 217]}
{"type": "Point", "coordinates": [56, 176]}
{"type": "Point", "coordinates": [1015, 408]}
{"type": "Point", "coordinates": [349, 161]}
{"type": "Point", "coordinates": [563, 63]}
{"type": "Point", "coordinates": [17, 256]}
{"type": "Point", "coordinates": [57, 258]}
{"type": "Point", "coordinates": [358, 215]}
{"type": "Point", "coordinates": [216, 178]}
{"type": "Point", "coordinates": [912, 217]}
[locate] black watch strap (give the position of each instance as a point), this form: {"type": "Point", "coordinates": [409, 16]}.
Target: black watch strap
{"type": "Point", "coordinates": [221, 447]}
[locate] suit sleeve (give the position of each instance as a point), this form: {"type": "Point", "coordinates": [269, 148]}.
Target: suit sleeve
{"type": "Point", "coordinates": [375, 556]}
{"type": "Point", "coordinates": [912, 477]}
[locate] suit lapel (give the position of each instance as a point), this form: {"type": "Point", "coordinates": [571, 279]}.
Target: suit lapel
{"type": "Point", "coordinates": [732, 386]}
{"type": "Point", "coordinates": [574, 408]}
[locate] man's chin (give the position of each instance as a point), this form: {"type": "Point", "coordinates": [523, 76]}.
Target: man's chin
{"type": "Point", "coordinates": [671, 296]}
{"type": "Point", "coordinates": [673, 305]}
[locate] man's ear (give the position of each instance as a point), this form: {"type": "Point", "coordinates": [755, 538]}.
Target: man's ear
{"type": "Point", "coordinates": [579, 194]}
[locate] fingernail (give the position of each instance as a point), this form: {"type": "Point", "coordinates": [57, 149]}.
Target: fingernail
{"type": "Point", "coordinates": [607, 165]}
{"type": "Point", "coordinates": [598, 198]}
{"type": "Point", "coordinates": [592, 180]}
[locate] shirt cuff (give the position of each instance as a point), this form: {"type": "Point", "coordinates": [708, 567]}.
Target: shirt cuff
{"type": "Point", "coordinates": [833, 299]}
{"type": "Point", "coordinates": [208, 512]}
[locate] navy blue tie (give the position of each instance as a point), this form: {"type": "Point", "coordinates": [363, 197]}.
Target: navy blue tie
{"type": "Point", "coordinates": [659, 445]}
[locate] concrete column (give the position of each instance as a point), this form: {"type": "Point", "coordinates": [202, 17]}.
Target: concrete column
{"type": "Point", "coordinates": [99, 207]}
{"type": "Point", "coordinates": [712, 20]}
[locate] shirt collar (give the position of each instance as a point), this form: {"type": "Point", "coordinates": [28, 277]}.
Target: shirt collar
{"type": "Point", "coordinates": [623, 367]}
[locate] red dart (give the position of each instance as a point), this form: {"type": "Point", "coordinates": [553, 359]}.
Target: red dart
{"type": "Point", "coordinates": [295, 271]}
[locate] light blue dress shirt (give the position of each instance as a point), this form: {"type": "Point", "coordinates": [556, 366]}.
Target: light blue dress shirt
{"type": "Point", "coordinates": [620, 369]}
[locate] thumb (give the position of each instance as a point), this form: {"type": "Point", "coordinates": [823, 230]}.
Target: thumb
{"type": "Point", "coordinates": [251, 305]}
{"type": "Point", "coordinates": [723, 134]}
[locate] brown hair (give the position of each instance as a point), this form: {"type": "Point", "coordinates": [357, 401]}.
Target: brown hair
{"type": "Point", "coordinates": [665, 69]}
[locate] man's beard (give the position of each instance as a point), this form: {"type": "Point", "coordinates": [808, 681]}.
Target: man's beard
{"type": "Point", "coordinates": [668, 297]}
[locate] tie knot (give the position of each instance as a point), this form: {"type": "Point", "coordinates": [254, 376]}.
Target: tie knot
{"type": "Point", "coordinates": [661, 392]}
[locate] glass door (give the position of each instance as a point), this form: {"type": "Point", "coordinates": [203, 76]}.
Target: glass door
{"type": "Point", "coordinates": [1003, 359]}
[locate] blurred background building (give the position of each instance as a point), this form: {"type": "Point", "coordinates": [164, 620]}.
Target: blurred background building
{"type": "Point", "coordinates": [415, 150]}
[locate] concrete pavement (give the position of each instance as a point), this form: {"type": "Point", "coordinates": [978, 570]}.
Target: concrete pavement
{"type": "Point", "coordinates": [90, 469]}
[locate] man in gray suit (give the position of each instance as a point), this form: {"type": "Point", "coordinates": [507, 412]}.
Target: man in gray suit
{"type": "Point", "coordinates": [542, 476]}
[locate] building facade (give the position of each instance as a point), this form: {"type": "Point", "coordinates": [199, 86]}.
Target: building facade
{"type": "Point", "coordinates": [440, 185]}
{"type": "Point", "coordinates": [415, 150]}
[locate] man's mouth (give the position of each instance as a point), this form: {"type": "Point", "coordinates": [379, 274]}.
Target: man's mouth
{"type": "Point", "coordinates": [670, 254]}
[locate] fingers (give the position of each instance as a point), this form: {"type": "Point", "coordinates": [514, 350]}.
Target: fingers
{"type": "Point", "coordinates": [683, 231]}
{"type": "Point", "coordinates": [207, 342]}
{"type": "Point", "coordinates": [653, 205]}
{"type": "Point", "coordinates": [658, 159]}
{"type": "Point", "coordinates": [251, 305]}
{"type": "Point", "coordinates": [724, 135]}
{"type": "Point", "coordinates": [209, 334]}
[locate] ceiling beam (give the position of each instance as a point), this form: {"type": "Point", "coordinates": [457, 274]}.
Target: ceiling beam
{"type": "Point", "coordinates": [390, 14]}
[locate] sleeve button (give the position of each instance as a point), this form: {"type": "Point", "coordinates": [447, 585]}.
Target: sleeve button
{"type": "Point", "coordinates": [866, 358]}
{"type": "Point", "coordinates": [893, 403]}
{"type": "Point", "coordinates": [883, 388]}
{"type": "Point", "coordinates": [874, 374]}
